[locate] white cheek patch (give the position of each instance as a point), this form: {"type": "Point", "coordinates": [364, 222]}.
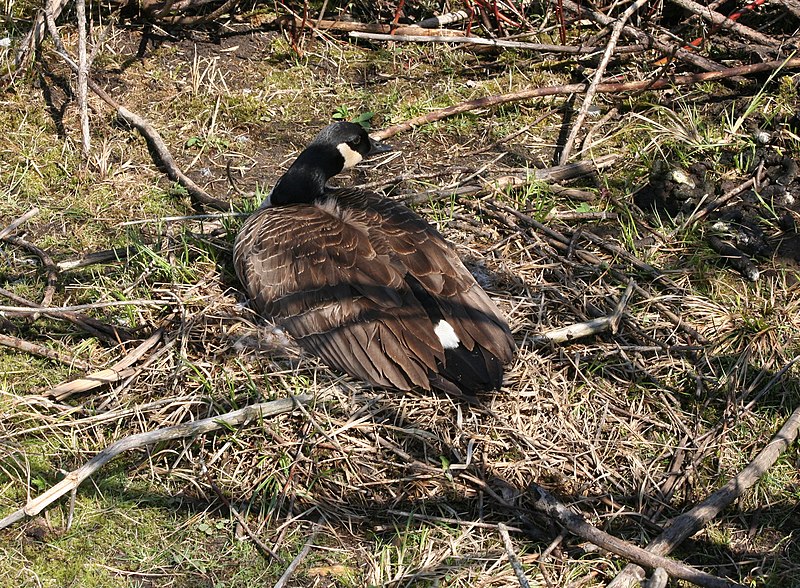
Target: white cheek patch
{"type": "Point", "coordinates": [351, 156]}
{"type": "Point", "coordinates": [446, 334]}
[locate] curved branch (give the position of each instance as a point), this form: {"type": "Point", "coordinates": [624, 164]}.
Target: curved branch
{"type": "Point", "coordinates": [201, 427]}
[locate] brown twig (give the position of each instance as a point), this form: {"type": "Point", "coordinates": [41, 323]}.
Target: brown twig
{"type": "Point", "coordinates": [606, 88]}
{"type": "Point", "coordinates": [199, 196]}
{"type": "Point", "coordinates": [724, 22]}
{"type": "Point", "coordinates": [540, 47]}
{"type": "Point", "coordinates": [192, 429]}
{"type": "Point", "coordinates": [598, 76]}
{"type": "Point", "coordinates": [380, 29]}
{"type": "Point", "coordinates": [577, 525]}
{"type": "Point", "coordinates": [642, 37]}
{"type": "Point", "coordinates": [108, 333]}
{"type": "Point", "coordinates": [50, 267]}
{"type": "Point", "coordinates": [16, 223]}
{"type": "Point", "coordinates": [42, 351]}
{"type": "Point", "coordinates": [692, 521]}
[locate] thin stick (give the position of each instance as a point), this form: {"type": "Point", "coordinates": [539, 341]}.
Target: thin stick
{"type": "Point", "coordinates": [47, 262]}
{"type": "Point", "coordinates": [42, 351]}
{"type": "Point", "coordinates": [17, 222]}
{"type": "Point", "coordinates": [692, 521]}
{"type": "Point", "coordinates": [231, 419]}
{"type": "Point", "coordinates": [606, 88]}
{"type": "Point", "coordinates": [290, 570]}
{"type": "Point", "coordinates": [642, 37]}
{"type": "Point", "coordinates": [55, 310]}
{"type": "Point", "coordinates": [724, 22]}
{"type": "Point", "coordinates": [541, 47]}
{"type": "Point", "coordinates": [199, 196]}
{"type": "Point", "coordinates": [83, 76]}
{"type": "Point", "coordinates": [598, 77]}
{"type": "Point", "coordinates": [512, 556]}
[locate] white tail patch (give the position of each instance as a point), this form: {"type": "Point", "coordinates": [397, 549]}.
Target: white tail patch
{"type": "Point", "coordinates": [447, 335]}
{"type": "Point", "coordinates": [351, 156]}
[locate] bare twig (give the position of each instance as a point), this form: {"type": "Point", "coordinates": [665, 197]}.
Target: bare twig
{"type": "Point", "coordinates": [380, 29]}
{"type": "Point", "coordinates": [199, 196]}
{"type": "Point", "coordinates": [231, 419]}
{"type": "Point", "coordinates": [577, 525]}
{"type": "Point", "coordinates": [15, 224]}
{"type": "Point", "coordinates": [598, 76]}
{"type": "Point", "coordinates": [50, 267]}
{"type": "Point", "coordinates": [541, 47]}
{"type": "Point", "coordinates": [642, 37]}
{"type": "Point", "coordinates": [83, 76]}
{"type": "Point", "coordinates": [593, 327]}
{"type": "Point", "coordinates": [292, 567]}
{"type": "Point", "coordinates": [606, 88]}
{"type": "Point", "coordinates": [42, 351]}
{"type": "Point", "coordinates": [724, 22]}
{"type": "Point", "coordinates": [692, 521]}
{"type": "Point", "coordinates": [512, 556]}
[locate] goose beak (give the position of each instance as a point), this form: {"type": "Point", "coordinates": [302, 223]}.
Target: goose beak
{"type": "Point", "coordinates": [376, 147]}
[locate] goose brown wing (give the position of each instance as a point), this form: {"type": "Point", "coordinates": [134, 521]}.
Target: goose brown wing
{"type": "Point", "coordinates": [444, 280]}
{"type": "Point", "coordinates": [331, 282]}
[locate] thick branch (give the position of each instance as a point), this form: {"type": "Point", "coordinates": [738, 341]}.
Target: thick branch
{"type": "Point", "coordinates": [607, 88]}
{"type": "Point", "coordinates": [201, 427]}
{"type": "Point", "coordinates": [690, 522]}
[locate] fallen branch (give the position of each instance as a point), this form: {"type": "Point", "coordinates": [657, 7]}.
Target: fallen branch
{"type": "Point", "coordinates": [16, 223]}
{"type": "Point", "coordinates": [606, 88]}
{"type": "Point", "coordinates": [577, 525]}
{"type": "Point", "coordinates": [722, 21]}
{"type": "Point", "coordinates": [231, 419]}
{"type": "Point", "coordinates": [541, 47]}
{"type": "Point", "coordinates": [692, 521]}
{"type": "Point", "coordinates": [642, 37]}
{"type": "Point", "coordinates": [593, 327]}
{"type": "Point", "coordinates": [42, 351]}
{"type": "Point", "coordinates": [598, 77]}
{"type": "Point", "coordinates": [358, 27]}
{"type": "Point", "coordinates": [199, 196]}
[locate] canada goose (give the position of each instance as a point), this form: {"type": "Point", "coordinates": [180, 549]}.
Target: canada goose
{"type": "Point", "coordinates": [365, 283]}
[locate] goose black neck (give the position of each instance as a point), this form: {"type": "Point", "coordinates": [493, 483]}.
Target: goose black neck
{"type": "Point", "coordinates": [304, 182]}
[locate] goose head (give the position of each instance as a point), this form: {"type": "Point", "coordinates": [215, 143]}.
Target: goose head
{"type": "Point", "coordinates": [337, 147]}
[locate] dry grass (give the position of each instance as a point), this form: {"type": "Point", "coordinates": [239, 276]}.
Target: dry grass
{"type": "Point", "coordinates": [395, 490]}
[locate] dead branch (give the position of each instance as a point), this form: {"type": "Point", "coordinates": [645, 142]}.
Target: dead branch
{"type": "Point", "coordinates": [200, 197]}
{"type": "Point", "coordinates": [51, 269]}
{"type": "Point", "coordinates": [512, 556]}
{"type": "Point", "coordinates": [593, 327]}
{"type": "Point", "coordinates": [231, 419]}
{"type": "Point", "coordinates": [691, 522]}
{"type": "Point", "coordinates": [724, 22]}
{"type": "Point", "coordinates": [598, 76]}
{"type": "Point", "coordinates": [42, 351]}
{"type": "Point", "coordinates": [115, 373]}
{"type": "Point", "coordinates": [642, 37]}
{"type": "Point", "coordinates": [83, 75]}
{"type": "Point", "coordinates": [94, 327]}
{"type": "Point", "coordinates": [541, 47]}
{"type": "Point", "coordinates": [15, 224]}
{"type": "Point", "coordinates": [607, 88]}
{"type": "Point", "coordinates": [358, 27]}
{"type": "Point", "coordinates": [577, 525]}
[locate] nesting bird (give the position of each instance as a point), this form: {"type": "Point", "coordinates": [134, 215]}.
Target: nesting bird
{"type": "Point", "coordinates": [365, 283]}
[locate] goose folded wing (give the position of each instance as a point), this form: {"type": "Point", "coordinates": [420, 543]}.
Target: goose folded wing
{"type": "Point", "coordinates": [338, 293]}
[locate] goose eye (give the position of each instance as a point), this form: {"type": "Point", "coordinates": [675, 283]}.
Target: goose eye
{"type": "Point", "coordinates": [355, 141]}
